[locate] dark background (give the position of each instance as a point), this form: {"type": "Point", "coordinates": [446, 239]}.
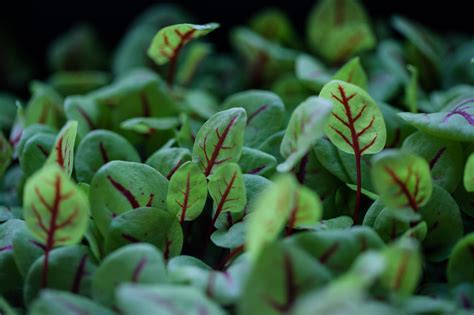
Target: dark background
{"type": "Point", "coordinates": [34, 24]}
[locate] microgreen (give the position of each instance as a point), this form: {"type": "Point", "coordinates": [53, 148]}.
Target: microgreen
{"type": "Point", "coordinates": [263, 180]}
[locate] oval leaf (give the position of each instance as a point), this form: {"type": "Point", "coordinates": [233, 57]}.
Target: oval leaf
{"type": "Point", "coordinates": [220, 140]}
{"type": "Point", "coordinates": [168, 42]}
{"type": "Point", "coordinates": [306, 125]}
{"type": "Point", "coordinates": [119, 186]}
{"type": "Point", "coordinates": [227, 189]}
{"type": "Point", "coordinates": [63, 152]}
{"type": "Point", "coordinates": [136, 263]}
{"type": "Point", "coordinates": [356, 124]}
{"type": "Point", "coordinates": [271, 211]}
{"type": "Point", "coordinates": [187, 192]}
{"type": "Point", "coordinates": [402, 179]}
{"type": "Point", "coordinates": [165, 300]}
{"type": "Point", "coordinates": [457, 123]}
{"type": "Point", "coordinates": [55, 210]}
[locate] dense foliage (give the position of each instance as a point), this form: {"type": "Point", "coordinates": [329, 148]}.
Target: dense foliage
{"type": "Point", "coordinates": [327, 174]}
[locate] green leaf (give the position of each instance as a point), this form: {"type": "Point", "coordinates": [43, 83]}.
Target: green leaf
{"type": "Point", "coordinates": [265, 59]}
{"type": "Point", "coordinates": [119, 186]}
{"type": "Point", "coordinates": [78, 82]}
{"type": "Point", "coordinates": [7, 110]}
{"type": "Point", "coordinates": [85, 111]}
{"type": "Point", "coordinates": [6, 308]}
{"type": "Point", "coordinates": [469, 174]}
{"type": "Point", "coordinates": [261, 107]}
{"type": "Point", "coordinates": [227, 189]}
{"type": "Point", "coordinates": [146, 225]}
{"type": "Point", "coordinates": [337, 248]}
{"type": "Point", "coordinates": [272, 145]}
{"type": "Point", "coordinates": [26, 249]}
{"type": "Point", "coordinates": [6, 154]}
{"type": "Point", "coordinates": [271, 212]}
{"type": "Point", "coordinates": [79, 48]}
{"type": "Point", "coordinates": [397, 128]}
{"type": "Point", "coordinates": [131, 52]}
{"type": "Point", "coordinates": [139, 93]}
{"type": "Point", "coordinates": [36, 151]}
{"type": "Point", "coordinates": [291, 90]}
{"type": "Point", "coordinates": [403, 267]}
{"type": "Point", "coordinates": [348, 294]}
{"type": "Point", "coordinates": [402, 179]}
{"type": "Point", "coordinates": [63, 152]}
{"type": "Point", "coordinates": [274, 25]}
{"type": "Point", "coordinates": [220, 140]}
{"type": "Point", "coordinates": [52, 302]}
{"type": "Point", "coordinates": [311, 72]}
{"type": "Point", "coordinates": [337, 30]}
{"type": "Point", "coordinates": [199, 103]}
{"type": "Point", "coordinates": [11, 281]}
{"type": "Point", "coordinates": [136, 263]}
{"type": "Point", "coordinates": [305, 127]}
{"type": "Point", "coordinates": [453, 123]}
{"type": "Point", "coordinates": [311, 173]}
{"type": "Point", "coordinates": [148, 125]}
{"type": "Point", "coordinates": [165, 300]}
{"type": "Point", "coordinates": [230, 238]}
{"type": "Point", "coordinates": [458, 270]}
{"type": "Point", "coordinates": [169, 40]}
{"type": "Point", "coordinates": [445, 158]}
{"type": "Point", "coordinates": [55, 210]}
{"type": "Point", "coordinates": [44, 106]}
{"type": "Point", "coordinates": [168, 160]}
{"type": "Point", "coordinates": [356, 124]}
{"type": "Point", "coordinates": [411, 90]}
{"type": "Point", "coordinates": [224, 287]}
{"type": "Point", "coordinates": [306, 210]}
{"type": "Point", "coordinates": [445, 225]}
{"type": "Point", "coordinates": [390, 54]}
{"type": "Point", "coordinates": [257, 162]}
{"type": "Point", "coordinates": [29, 132]}
{"type": "Point", "coordinates": [420, 37]}
{"type": "Point", "coordinates": [279, 276]}
{"type": "Point", "coordinates": [352, 72]}
{"type": "Point", "coordinates": [341, 164]}
{"type": "Point", "coordinates": [99, 147]}
{"type": "Point", "coordinates": [187, 192]}
{"type": "Point", "coordinates": [71, 268]}
{"type": "Point", "coordinates": [197, 52]}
